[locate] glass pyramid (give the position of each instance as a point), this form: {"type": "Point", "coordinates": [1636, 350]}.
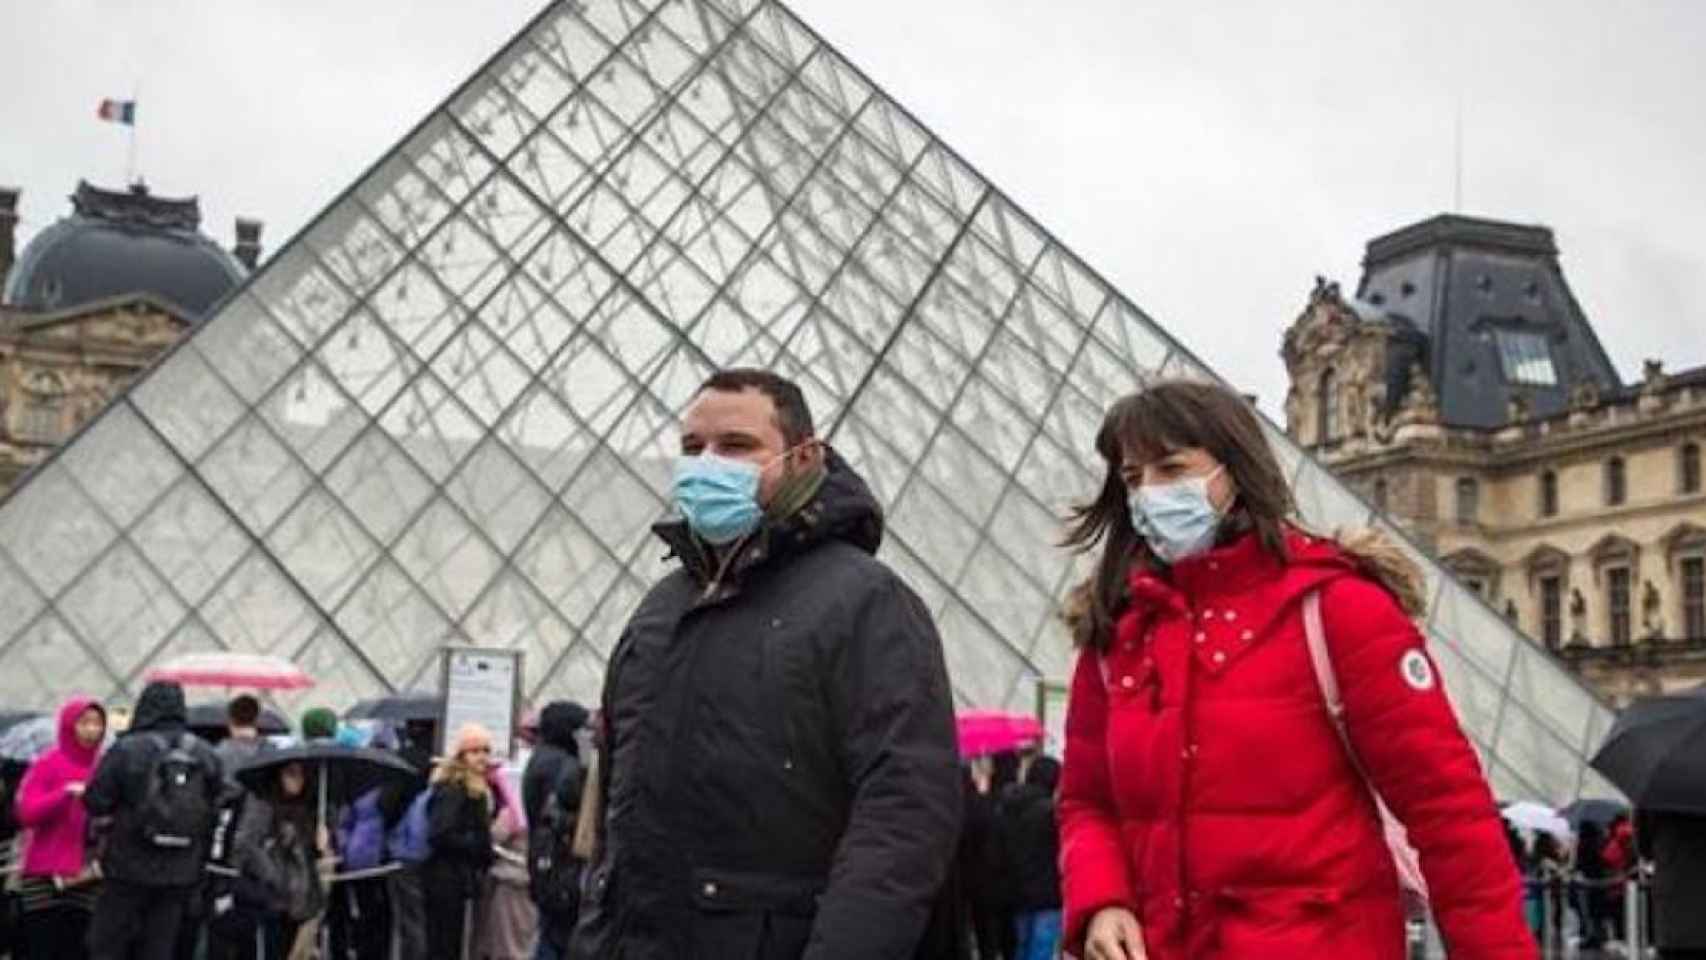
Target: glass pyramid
{"type": "Point", "coordinates": [445, 411]}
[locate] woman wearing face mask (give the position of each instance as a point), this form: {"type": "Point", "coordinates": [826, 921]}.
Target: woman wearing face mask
{"type": "Point", "coordinates": [1208, 805]}
{"type": "Point", "coordinates": [55, 880]}
{"type": "Point", "coordinates": [459, 831]}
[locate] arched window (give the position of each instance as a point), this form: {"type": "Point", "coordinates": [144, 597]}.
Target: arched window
{"type": "Point", "coordinates": [1688, 468]}
{"type": "Point", "coordinates": [42, 419]}
{"type": "Point", "coordinates": [1548, 493]}
{"type": "Point", "coordinates": [1468, 500]}
{"type": "Point", "coordinates": [1616, 482]}
{"type": "Point", "coordinates": [1327, 408]}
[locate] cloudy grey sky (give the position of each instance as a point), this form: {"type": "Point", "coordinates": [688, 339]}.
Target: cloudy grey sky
{"type": "Point", "coordinates": [1208, 157]}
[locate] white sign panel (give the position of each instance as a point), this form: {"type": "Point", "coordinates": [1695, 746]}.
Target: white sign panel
{"type": "Point", "coordinates": [482, 686]}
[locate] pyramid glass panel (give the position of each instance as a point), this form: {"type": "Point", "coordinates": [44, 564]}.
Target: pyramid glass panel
{"type": "Point", "coordinates": [446, 411]}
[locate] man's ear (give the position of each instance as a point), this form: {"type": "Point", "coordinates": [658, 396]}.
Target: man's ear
{"type": "Point", "coordinates": [811, 454]}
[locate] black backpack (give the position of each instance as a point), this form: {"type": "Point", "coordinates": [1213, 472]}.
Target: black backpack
{"type": "Point", "coordinates": [553, 873]}
{"type": "Point", "coordinates": [177, 802]}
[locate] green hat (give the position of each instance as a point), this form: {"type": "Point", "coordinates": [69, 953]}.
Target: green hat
{"type": "Point", "coordinates": [319, 723]}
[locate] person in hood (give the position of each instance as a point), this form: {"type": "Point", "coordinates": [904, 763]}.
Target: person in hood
{"type": "Point", "coordinates": [1030, 845]}
{"type": "Point", "coordinates": [550, 793]}
{"type": "Point", "coordinates": [156, 788]}
{"type": "Point", "coordinates": [55, 882]}
{"type": "Point", "coordinates": [1209, 807]}
{"type": "Point", "coordinates": [556, 756]}
{"type": "Point", "coordinates": [780, 774]}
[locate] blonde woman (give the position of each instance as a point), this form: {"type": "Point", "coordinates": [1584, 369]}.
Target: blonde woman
{"type": "Point", "coordinates": [459, 831]}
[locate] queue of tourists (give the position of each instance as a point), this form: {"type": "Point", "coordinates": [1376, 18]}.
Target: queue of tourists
{"type": "Point", "coordinates": [1259, 757]}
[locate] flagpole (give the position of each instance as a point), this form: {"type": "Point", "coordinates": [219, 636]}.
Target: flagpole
{"type": "Point", "coordinates": [130, 162]}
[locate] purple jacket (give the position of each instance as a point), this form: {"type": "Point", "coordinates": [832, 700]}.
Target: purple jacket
{"type": "Point", "coordinates": [55, 819]}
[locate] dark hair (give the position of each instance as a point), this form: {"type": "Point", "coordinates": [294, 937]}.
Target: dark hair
{"type": "Point", "coordinates": [243, 710]}
{"type": "Point", "coordinates": [793, 417]}
{"type": "Point", "coordinates": [1170, 415]}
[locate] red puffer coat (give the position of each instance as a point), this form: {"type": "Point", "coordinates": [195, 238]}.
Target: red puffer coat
{"type": "Point", "coordinates": [1206, 790]}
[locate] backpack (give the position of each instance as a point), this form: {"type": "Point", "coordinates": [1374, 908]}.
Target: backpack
{"type": "Point", "coordinates": [409, 841]}
{"type": "Point", "coordinates": [1404, 857]}
{"type": "Point", "coordinates": [361, 833]}
{"type": "Point", "coordinates": [177, 803]}
{"type": "Point", "coordinates": [553, 872]}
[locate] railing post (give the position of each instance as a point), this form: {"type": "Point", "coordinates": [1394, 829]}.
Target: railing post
{"type": "Point", "coordinates": [1634, 923]}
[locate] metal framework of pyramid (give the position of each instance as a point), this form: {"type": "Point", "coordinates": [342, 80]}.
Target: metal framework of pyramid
{"type": "Point", "coordinates": [445, 412]}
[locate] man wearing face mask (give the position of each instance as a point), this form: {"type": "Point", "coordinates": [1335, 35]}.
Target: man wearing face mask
{"type": "Point", "coordinates": [779, 775]}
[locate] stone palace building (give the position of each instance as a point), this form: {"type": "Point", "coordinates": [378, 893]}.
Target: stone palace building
{"type": "Point", "coordinates": [1463, 390]}
{"type": "Point", "coordinates": [92, 299]}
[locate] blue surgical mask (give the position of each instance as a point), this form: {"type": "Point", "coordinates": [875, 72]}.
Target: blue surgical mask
{"type": "Point", "coordinates": [718, 497]}
{"type": "Point", "coordinates": [1177, 520]}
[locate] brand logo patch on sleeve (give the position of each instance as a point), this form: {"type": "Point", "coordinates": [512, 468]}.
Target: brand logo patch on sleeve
{"type": "Point", "coordinates": [1417, 671]}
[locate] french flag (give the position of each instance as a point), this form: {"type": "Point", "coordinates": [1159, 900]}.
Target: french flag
{"type": "Point", "coordinates": [118, 111]}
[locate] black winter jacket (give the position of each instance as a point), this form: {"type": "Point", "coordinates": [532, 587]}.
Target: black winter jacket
{"type": "Point", "coordinates": [782, 775]}
{"type": "Point", "coordinates": [1030, 848]}
{"type": "Point", "coordinates": [459, 831]}
{"type": "Point", "coordinates": [1676, 843]}
{"type": "Point", "coordinates": [120, 786]}
{"type": "Point", "coordinates": [555, 756]}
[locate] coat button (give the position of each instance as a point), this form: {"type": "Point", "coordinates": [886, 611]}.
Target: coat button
{"type": "Point", "coordinates": [1131, 644]}
{"type": "Point", "coordinates": [1206, 615]}
{"type": "Point", "coordinates": [710, 888]}
{"type": "Point", "coordinates": [1128, 681]}
{"type": "Point", "coordinates": [788, 764]}
{"type": "Point", "coordinates": [1201, 636]}
{"type": "Point", "coordinates": [1219, 656]}
{"type": "Point", "coordinates": [1179, 902]}
{"type": "Point", "coordinates": [1247, 635]}
{"type": "Point", "coordinates": [1231, 615]}
{"type": "Point", "coordinates": [776, 624]}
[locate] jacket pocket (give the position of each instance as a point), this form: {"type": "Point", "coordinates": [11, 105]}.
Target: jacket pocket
{"type": "Point", "coordinates": [742, 914]}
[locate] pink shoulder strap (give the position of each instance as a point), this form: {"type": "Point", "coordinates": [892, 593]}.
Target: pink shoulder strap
{"type": "Point", "coordinates": [1404, 856]}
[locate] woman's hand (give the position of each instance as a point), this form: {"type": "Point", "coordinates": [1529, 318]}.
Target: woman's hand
{"type": "Point", "coordinates": [1114, 935]}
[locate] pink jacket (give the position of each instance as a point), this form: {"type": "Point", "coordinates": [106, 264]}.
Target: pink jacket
{"type": "Point", "coordinates": [54, 819]}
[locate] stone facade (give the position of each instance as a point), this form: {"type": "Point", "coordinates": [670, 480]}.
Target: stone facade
{"type": "Point", "coordinates": [1585, 525]}
{"type": "Point", "coordinates": [60, 363]}
{"type": "Point", "coordinates": [57, 370]}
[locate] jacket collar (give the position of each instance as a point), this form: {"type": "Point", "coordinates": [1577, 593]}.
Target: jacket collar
{"type": "Point", "coordinates": [842, 509]}
{"type": "Point", "coordinates": [1240, 570]}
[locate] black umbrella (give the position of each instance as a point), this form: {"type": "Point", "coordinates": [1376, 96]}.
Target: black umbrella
{"type": "Point", "coordinates": [1656, 753]}
{"type": "Point", "coordinates": [398, 708]}
{"type": "Point", "coordinates": [343, 773]}
{"type": "Point", "coordinates": [209, 721]}
{"type": "Point", "coordinates": [1594, 810]}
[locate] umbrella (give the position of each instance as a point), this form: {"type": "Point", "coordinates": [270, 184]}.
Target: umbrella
{"type": "Point", "coordinates": [983, 732]}
{"type": "Point", "coordinates": [343, 773]}
{"type": "Point", "coordinates": [209, 722]}
{"type": "Point", "coordinates": [1537, 817]}
{"type": "Point", "coordinates": [28, 739]}
{"type": "Point", "coordinates": [398, 708]}
{"type": "Point", "coordinates": [1656, 753]}
{"type": "Point", "coordinates": [1594, 810]}
{"type": "Point", "coordinates": [226, 669]}
{"type": "Point", "coordinates": [11, 718]}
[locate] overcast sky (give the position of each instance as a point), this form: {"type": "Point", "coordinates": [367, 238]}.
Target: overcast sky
{"type": "Point", "coordinates": [1210, 158]}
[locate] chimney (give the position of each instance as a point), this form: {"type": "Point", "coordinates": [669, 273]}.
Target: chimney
{"type": "Point", "coordinates": [248, 248]}
{"type": "Point", "coordinates": [8, 230]}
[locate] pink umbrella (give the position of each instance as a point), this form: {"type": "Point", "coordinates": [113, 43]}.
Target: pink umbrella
{"type": "Point", "coordinates": [983, 732]}
{"type": "Point", "coordinates": [255, 671]}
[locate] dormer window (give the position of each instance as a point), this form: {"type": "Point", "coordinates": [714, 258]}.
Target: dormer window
{"type": "Point", "coordinates": [1525, 357]}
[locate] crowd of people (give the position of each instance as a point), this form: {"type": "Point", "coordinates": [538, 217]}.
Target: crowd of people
{"type": "Point", "coordinates": [163, 843]}
{"type": "Point", "coordinates": [1259, 761]}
